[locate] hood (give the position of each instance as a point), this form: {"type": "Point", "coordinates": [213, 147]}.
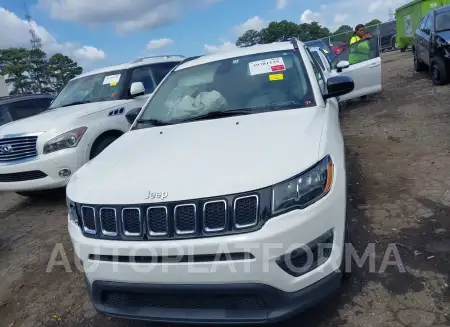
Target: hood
{"type": "Point", "coordinates": [202, 159]}
{"type": "Point", "coordinates": [445, 35]}
{"type": "Point", "coordinates": [50, 119]}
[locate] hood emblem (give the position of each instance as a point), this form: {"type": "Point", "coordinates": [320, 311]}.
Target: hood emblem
{"type": "Point", "coordinates": [6, 149]}
{"type": "Point", "coordinates": [156, 195]}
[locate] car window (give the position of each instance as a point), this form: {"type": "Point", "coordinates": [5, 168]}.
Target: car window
{"type": "Point", "coordinates": [258, 82]}
{"type": "Point", "coordinates": [144, 74]}
{"type": "Point", "coordinates": [428, 24]}
{"type": "Point", "coordinates": [43, 103]}
{"type": "Point", "coordinates": [443, 21]}
{"type": "Point", "coordinates": [316, 56]}
{"type": "Point", "coordinates": [422, 23]}
{"type": "Point", "coordinates": [358, 52]}
{"type": "Point", "coordinates": [317, 71]}
{"type": "Point", "coordinates": [5, 116]}
{"type": "Point", "coordinates": [161, 70]}
{"type": "Point", "coordinates": [23, 109]}
{"type": "Point", "coordinates": [105, 86]}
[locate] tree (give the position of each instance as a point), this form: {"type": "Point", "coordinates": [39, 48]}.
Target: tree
{"type": "Point", "coordinates": [373, 22]}
{"type": "Point", "coordinates": [249, 38]}
{"type": "Point", "coordinates": [38, 70]}
{"type": "Point", "coordinates": [61, 70]}
{"type": "Point", "coordinates": [343, 29]}
{"type": "Point", "coordinates": [15, 66]}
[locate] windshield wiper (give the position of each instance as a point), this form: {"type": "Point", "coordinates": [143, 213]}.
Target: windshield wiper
{"type": "Point", "coordinates": [75, 103]}
{"type": "Point", "coordinates": [219, 114]}
{"type": "Point", "coordinates": [154, 122]}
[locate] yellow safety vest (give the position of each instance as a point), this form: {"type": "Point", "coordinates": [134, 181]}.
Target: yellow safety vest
{"type": "Point", "coordinates": [359, 52]}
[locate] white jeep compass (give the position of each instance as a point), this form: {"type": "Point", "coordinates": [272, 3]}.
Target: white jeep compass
{"type": "Point", "coordinates": [42, 152]}
{"type": "Point", "coordinates": [226, 201]}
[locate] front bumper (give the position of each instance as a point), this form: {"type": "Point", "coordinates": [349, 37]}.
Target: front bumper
{"type": "Point", "coordinates": [49, 165]}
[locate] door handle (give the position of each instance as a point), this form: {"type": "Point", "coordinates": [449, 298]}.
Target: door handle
{"type": "Point", "coordinates": [376, 64]}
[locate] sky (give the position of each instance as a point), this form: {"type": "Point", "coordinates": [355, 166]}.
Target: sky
{"type": "Point", "coordinates": [98, 33]}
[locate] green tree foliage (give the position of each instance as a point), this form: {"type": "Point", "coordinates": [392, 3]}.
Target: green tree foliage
{"type": "Point", "coordinates": [285, 30]}
{"type": "Point", "coordinates": [30, 71]}
{"type": "Point", "coordinates": [373, 22]}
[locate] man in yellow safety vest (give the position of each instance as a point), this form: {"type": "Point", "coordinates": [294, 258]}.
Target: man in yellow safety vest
{"type": "Point", "coordinates": [359, 52]}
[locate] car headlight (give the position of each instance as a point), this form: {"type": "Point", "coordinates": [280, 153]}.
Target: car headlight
{"type": "Point", "coordinates": [72, 211]}
{"type": "Point", "coordinates": [303, 189]}
{"type": "Point", "coordinates": [64, 141]}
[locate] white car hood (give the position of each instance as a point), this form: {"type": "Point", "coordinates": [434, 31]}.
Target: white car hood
{"type": "Point", "coordinates": [201, 159]}
{"type": "Point", "coordinates": [54, 118]}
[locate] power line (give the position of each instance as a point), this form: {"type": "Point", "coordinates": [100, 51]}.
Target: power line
{"type": "Point", "coordinates": [36, 42]}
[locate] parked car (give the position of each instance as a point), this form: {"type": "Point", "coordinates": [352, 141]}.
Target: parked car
{"type": "Point", "coordinates": [88, 115]}
{"type": "Point", "coordinates": [176, 214]}
{"type": "Point", "coordinates": [431, 46]}
{"type": "Point", "coordinates": [324, 45]}
{"type": "Point", "coordinates": [338, 46]}
{"type": "Point", "coordinates": [388, 33]}
{"type": "Point", "coordinates": [15, 107]}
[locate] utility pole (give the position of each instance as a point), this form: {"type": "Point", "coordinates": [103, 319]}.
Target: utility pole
{"type": "Point", "coordinates": [391, 15]}
{"type": "Point", "coordinates": [36, 42]}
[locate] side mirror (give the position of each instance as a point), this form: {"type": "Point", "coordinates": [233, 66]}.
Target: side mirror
{"type": "Point", "coordinates": [339, 85]}
{"type": "Point", "coordinates": [137, 88]}
{"type": "Point", "coordinates": [342, 65]}
{"type": "Point", "coordinates": [132, 114]}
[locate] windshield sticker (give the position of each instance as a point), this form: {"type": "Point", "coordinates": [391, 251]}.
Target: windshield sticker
{"type": "Point", "coordinates": [276, 77]}
{"type": "Point", "coordinates": [266, 66]}
{"type": "Point", "coordinates": [235, 61]}
{"type": "Point", "coordinates": [112, 80]}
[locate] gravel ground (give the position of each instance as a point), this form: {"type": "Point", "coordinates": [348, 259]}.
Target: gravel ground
{"type": "Point", "coordinates": [398, 155]}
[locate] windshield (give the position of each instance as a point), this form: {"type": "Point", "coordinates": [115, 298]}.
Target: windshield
{"type": "Point", "coordinates": [443, 21]}
{"type": "Point", "coordinates": [5, 117]}
{"type": "Point", "coordinates": [94, 88]}
{"type": "Point", "coordinates": [259, 82]}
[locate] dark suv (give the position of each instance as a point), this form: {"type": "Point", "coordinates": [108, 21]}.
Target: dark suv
{"type": "Point", "coordinates": [15, 107]}
{"type": "Point", "coordinates": [431, 46]}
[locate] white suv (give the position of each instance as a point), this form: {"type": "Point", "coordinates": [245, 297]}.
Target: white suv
{"type": "Point", "coordinates": [226, 200]}
{"type": "Point", "coordinates": [42, 152]}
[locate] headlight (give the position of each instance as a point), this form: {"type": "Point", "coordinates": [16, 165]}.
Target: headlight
{"type": "Point", "coordinates": [303, 189]}
{"type": "Point", "coordinates": [72, 210]}
{"type": "Point", "coordinates": [65, 141]}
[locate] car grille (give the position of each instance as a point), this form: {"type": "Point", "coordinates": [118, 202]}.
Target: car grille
{"type": "Point", "coordinates": [197, 218]}
{"type": "Point", "coordinates": [17, 148]}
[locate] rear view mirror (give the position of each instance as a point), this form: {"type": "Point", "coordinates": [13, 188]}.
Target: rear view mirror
{"type": "Point", "coordinates": [339, 85]}
{"type": "Point", "coordinates": [342, 65]}
{"type": "Point", "coordinates": [132, 114]}
{"type": "Point", "coordinates": [137, 88]}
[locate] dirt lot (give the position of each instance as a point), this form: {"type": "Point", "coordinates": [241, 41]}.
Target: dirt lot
{"type": "Point", "coordinates": [398, 158]}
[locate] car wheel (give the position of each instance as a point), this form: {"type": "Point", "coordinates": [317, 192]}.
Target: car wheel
{"type": "Point", "coordinates": [101, 145]}
{"type": "Point", "coordinates": [402, 49]}
{"type": "Point", "coordinates": [394, 44]}
{"type": "Point", "coordinates": [439, 71]}
{"type": "Point", "coordinates": [418, 65]}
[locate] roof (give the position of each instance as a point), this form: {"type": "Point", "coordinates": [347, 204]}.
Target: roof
{"type": "Point", "coordinates": [135, 63]}
{"type": "Point", "coordinates": [17, 97]}
{"type": "Point", "coordinates": [239, 52]}
{"type": "Point", "coordinates": [442, 9]}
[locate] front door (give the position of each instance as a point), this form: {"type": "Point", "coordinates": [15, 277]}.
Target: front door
{"type": "Point", "coordinates": [364, 69]}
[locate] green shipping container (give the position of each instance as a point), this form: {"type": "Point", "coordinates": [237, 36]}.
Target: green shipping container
{"type": "Point", "coordinates": [408, 18]}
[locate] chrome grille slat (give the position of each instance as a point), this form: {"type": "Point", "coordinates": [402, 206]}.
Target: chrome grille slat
{"type": "Point", "coordinates": [158, 221]}
{"type": "Point", "coordinates": [215, 216]}
{"type": "Point", "coordinates": [132, 222]}
{"type": "Point", "coordinates": [21, 148]}
{"type": "Point", "coordinates": [108, 221]}
{"type": "Point", "coordinates": [89, 220]}
{"type": "Point", "coordinates": [185, 219]}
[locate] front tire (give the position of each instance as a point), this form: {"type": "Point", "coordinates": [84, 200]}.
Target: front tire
{"type": "Point", "coordinates": [439, 71]}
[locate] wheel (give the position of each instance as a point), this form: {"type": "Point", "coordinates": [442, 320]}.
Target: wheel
{"type": "Point", "coordinates": [439, 71]}
{"type": "Point", "coordinates": [101, 145]}
{"type": "Point", "coordinates": [402, 49]}
{"type": "Point", "coordinates": [394, 44]}
{"type": "Point", "coordinates": [418, 65]}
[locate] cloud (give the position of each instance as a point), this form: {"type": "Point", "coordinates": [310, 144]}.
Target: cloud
{"type": "Point", "coordinates": [126, 15]}
{"type": "Point", "coordinates": [281, 4]}
{"type": "Point", "coordinates": [18, 36]}
{"type": "Point", "coordinates": [309, 16]}
{"type": "Point", "coordinates": [159, 43]}
{"type": "Point", "coordinates": [340, 19]}
{"type": "Point", "coordinates": [255, 23]}
{"type": "Point", "coordinates": [224, 47]}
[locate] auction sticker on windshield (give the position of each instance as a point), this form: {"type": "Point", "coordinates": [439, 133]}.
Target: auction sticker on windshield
{"type": "Point", "coordinates": [111, 79]}
{"type": "Point", "coordinates": [266, 66]}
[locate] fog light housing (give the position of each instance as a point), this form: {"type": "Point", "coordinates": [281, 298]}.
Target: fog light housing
{"type": "Point", "coordinates": [308, 257]}
{"type": "Point", "coordinates": [64, 173]}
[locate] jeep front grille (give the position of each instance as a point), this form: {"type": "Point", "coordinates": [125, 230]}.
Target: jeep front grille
{"type": "Point", "coordinates": [17, 148]}
{"type": "Point", "coordinates": [189, 219]}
